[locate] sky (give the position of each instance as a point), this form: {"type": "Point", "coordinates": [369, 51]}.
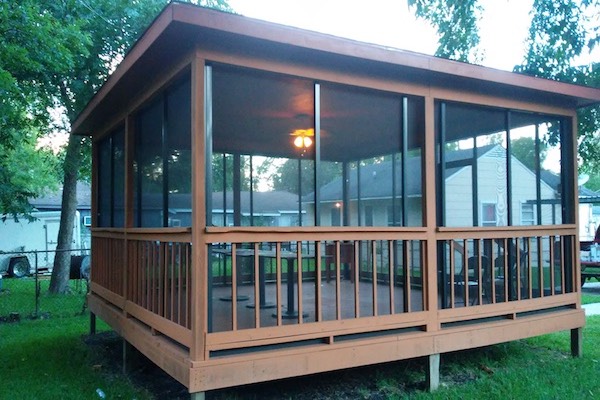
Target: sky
{"type": "Point", "coordinates": [503, 28]}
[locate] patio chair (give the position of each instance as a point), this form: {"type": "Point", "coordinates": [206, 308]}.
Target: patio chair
{"type": "Point", "coordinates": [512, 275]}
{"type": "Point", "coordinates": [473, 283]}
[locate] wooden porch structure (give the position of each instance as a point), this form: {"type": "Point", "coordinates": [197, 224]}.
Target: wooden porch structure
{"type": "Point", "coordinates": [219, 298]}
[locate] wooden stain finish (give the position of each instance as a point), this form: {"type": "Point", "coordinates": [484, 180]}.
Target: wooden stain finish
{"type": "Point", "coordinates": [151, 284]}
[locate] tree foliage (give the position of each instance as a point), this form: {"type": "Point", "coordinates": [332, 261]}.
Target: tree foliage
{"type": "Point", "coordinates": [524, 150]}
{"type": "Point", "coordinates": [557, 36]}
{"type": "Point", "coordinates": [111, 27]}
{"type": "Point", "coordinates": [35, 49]}
{"type": "Point", "coordinates": [560, 31]}
{"type": "Point", "coordinates": [456, 25]}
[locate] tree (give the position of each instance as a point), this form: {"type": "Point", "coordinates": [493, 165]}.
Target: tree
{"type": "Point", "coordinates": [523, 149]}
{"type": "Point", "coordinates": [35, 47]}
{"type": "Point", "coordinates": [456, 24]}
{"type": "Point", "coordinates": [112, 26]}
{"type": "Point", "coordinates": [560, 31]}
{"type": "Point", "coordinates": [556, 37]}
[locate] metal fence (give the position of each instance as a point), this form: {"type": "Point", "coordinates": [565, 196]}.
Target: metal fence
{"type": "Point", "coordinates": [25, 281]}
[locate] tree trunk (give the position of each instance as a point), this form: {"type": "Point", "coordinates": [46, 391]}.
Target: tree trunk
{"type": "Point", "coordinates": [59, 283]}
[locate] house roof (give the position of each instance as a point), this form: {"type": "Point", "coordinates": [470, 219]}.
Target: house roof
{"type": "Point", "coordinates": [180, 28]}
{"type": "Point", "coordinates": [375, 178]}
{"type": "Point", "coordinates": [264, 203]}
{"type": "Point", "coordinates": [53, 200]}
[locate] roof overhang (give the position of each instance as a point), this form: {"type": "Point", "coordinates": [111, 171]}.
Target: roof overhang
{"type": "Point", "coordinates": [182, 27]}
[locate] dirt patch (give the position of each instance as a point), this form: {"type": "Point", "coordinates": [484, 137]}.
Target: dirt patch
{"type": "Point", "coordinates": [383, 381]}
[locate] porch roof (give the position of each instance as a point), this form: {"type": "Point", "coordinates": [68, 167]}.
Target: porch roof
{"type": "Point", "coordinates": [182, 27]}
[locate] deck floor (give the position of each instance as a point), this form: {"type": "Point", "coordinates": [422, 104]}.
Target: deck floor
{"type": "Point", "coordinates": [221, 305]}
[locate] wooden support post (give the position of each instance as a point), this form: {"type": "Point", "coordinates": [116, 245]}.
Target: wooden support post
{"type": "Point", "coordinates": [198, 396]}
{"type": "Point", "coordinates": [577, 342]}
{"type": "Point", "coordinates": [131, 357]}
{"type": "Point", "coordinates": [92, 323]}
{"type": "Point", "coordinates": [433, 372]}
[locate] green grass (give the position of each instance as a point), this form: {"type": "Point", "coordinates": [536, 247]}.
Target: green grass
{"type": "Point", "coordinates": [47, 359]}
{"type": "Point", "coordinates": [18, 296]}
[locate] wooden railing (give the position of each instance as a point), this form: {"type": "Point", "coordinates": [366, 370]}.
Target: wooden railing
{"type": "Point", "coordinates": [500, 265]}
{"type": "Point", "coordinates": [267, 287]}
{"type": "Point", "coordinates": [336, 280]}
{"type": "Point", "coordinates": [146, 273]}
{"type": "Point", "coordinates": [108, 261]}
{"type": "Point", "coordinates": [158, 278]}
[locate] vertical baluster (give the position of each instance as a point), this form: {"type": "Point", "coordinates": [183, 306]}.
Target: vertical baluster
{"type": "Point", "coordinates": [529, 271]}
{"type": "Point", "coordinates": [299, 279]}
{"type": "Point", "coordinates": [188, 292]}
{"type": "Point", "coordinates": [374, 277]}
{"type": "Point", "coordinates": [162, 278]}
{"type": "Point", "coordinates": [257, 300]}
{"type": "Point", "coordinates": [174, 263]}
{"type": "Point", "coordinates": [452, 272]}
{"type": "Point", "coordinates": [407, 248]}
{"type": "Point", "coordinates": [423, 272]}
{"type": "Point", "coordinates": [318, 278]}
{"type": "Point", "coordinates": [465, 271]}
{"type": "Point", "coordinates": [278, 284]}
{"type": "Point", "coordinates": [518, 261]}
{"type": "Point", "coordinates": [552, 266]}
{"type": "Point", "coordinates": [479, 271]}
{"type": "Point", "coordinates": [147, 274]}
{"type": "Point", "coordinates": [177, 283]}
{"type": "Point", "coordinates": [338, 301]}
{"type": "Point", "coordinates": [540, 265]}
{"type": "Point", "coordinates": [356, 256]}
{"type": "Point", "coordinates": [505, 267]}
{"type": "Point", "coordinates": [392, 270]}
{"type": "Point", "coordinates": [492, 268]}
{"type": "Point", "coordinates": [562, 265]}
{"type": "Point", "coordinates": [234, 287]}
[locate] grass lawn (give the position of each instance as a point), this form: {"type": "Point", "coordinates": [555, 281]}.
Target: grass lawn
{"type": "Point", "coordinates": [48, 358]}
{"type": "Point", "coordinates": [18, 296]}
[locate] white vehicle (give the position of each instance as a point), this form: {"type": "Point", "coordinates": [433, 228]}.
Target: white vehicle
{"type": "Point", "coordinates": [19, 240]}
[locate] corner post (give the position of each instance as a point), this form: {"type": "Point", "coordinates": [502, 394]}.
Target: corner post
{"type": "Point", "coordinates": [577, 342]}
{"type": "Point", "coordinates": [92, 323]}
{"type": "Point", "coordinates": [433, 372]}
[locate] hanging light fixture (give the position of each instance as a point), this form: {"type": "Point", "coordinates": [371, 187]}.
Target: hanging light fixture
{"type": "Point", "coordinates": [303, 138]}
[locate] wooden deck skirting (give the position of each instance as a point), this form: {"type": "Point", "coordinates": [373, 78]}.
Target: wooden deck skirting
{"type": "Point", "coordinates": [153, 318]}
{"type": "Point", "coordinates": [253, 367]}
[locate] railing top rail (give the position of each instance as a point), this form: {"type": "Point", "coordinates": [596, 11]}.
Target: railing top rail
{"type": "Point", "coordinates": [219, 235]}
{"type": "Point", "coordinates": [498, 232]}
{"type": "Point", "coordinates": [187, 229]}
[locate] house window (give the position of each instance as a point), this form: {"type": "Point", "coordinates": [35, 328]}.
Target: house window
{"type": "Point", "coordinates": [527, 214]}
{"type": "Point", "coordinates": [488, 214]}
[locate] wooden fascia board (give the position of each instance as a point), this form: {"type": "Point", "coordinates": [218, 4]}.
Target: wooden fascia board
{"type": "Point", "coordinates": [332, 44]}
{"type": "Point", "coordinates": [280, 34]}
